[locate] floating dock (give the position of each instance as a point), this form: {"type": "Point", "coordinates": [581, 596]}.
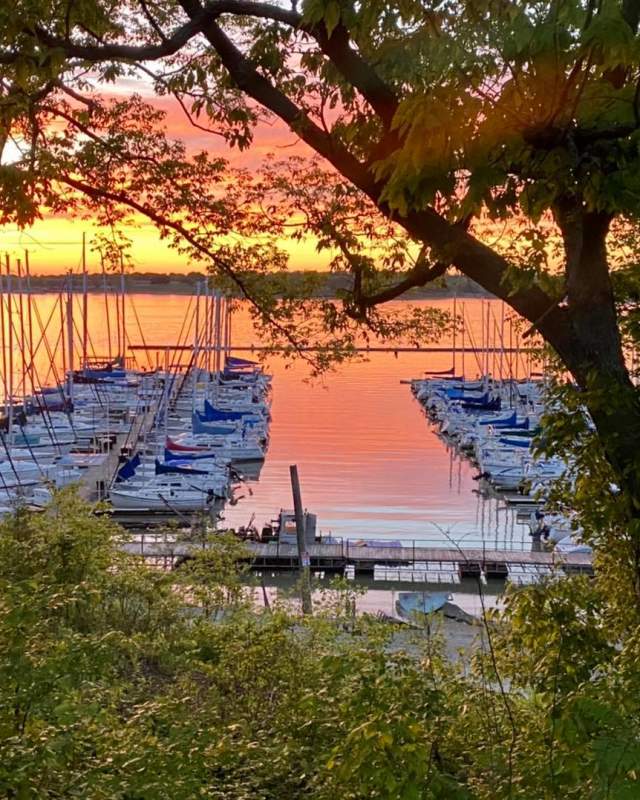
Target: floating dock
{"type": "Point", "coordinates": [165, 551]}
{"type": "Point", "coordinates": [96, 480]}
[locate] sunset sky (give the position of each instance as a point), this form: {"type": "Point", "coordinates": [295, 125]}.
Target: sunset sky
{"type": "Point", "coordinates": [55, 243]}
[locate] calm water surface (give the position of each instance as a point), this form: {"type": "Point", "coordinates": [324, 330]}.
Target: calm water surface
{"type": "Point", "coordinates": [369, 462]}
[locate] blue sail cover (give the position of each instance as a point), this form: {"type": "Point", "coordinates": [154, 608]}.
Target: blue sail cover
{"type": "Point", "coordinates": [199, 426]}
{"type": "Point", "coordinates": [515, 442]}
{"type": "Point", "coordinates": [104, 373]}
{"type": "Point", "coordinates": [128, 469]}
{"type": "Point", "coordinates": [212, 414]}
{"type": "Point", "coordinates": [462, 393]}
{"type": "Point", "coordinates": [170, 455]}
{"type": "Point", "coordinates": [222, 427]}
{"type": "Point", "coordinates": [178, 468]}
{"type": "Point", "coordinates": [483, 403]}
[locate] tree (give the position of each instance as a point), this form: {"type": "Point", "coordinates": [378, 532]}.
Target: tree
{"type": "Point", "coordinates": [443, 116]}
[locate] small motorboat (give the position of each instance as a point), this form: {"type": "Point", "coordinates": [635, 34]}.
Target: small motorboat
{"type": "Point", "coordinates": [409, 604]}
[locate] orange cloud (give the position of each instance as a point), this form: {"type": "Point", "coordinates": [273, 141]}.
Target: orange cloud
{"type": "Point", "coordinates": [55, 242]}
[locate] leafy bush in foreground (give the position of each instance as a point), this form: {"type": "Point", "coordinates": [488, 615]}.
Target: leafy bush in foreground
{"type": "Point", "coordinates": [111, 688]}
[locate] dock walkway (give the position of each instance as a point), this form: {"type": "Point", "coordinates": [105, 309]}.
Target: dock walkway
{"type": "Point", "coordinates": [98, 478]}
{"type": "Point", "coordinates": [470, 562]}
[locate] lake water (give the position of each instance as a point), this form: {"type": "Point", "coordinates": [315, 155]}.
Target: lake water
{"type": "Point", "coordinates": [370, 464]}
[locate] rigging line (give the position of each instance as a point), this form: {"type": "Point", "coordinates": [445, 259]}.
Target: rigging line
{"type": "Point", "coordinates": [47, 421]}
{"type": "Point", "coordinates": [66, 321]}
{"type": "Point", "coordinates": [30, 449]}
{"type": "Point", "coordinates": [30, 322]}
{"type": "Point", "coordinates": [126, 338]}
{"type": "Point", "coordinates": [171, 508]}
{"type": "Point", "coordinates": [5, 486]}
{"type": "Point", "coordinates": [106, 306]}
{"type": "Point", "coordinates": [125, 444]}
{"type": "Point", "coordinates": [137, 318]}
{"type": "Point", "coordinates": [52, 370]}
{"type": "Point", "coordinates": [4, 350]}
{"type": "Point", "coordinates": [475, 349]}
{"type": "Point", "coordinates": [95, 387]}
{"type": "Point", "coordinates": [86, 334]}
{"type": "Point", "coordinates": [184, 329]}
{"type": "Point", "coordinates": [43, 334]}
{"type": "Point", "coordinates": [31, 367]}
{"type": "Point", "coordinates": [22, 342]}
{"type": "Point", "coordinates": [188, 366]}
{"type": "Point", "coordinates": [169, 388]}
{"type": "Point", "coordinates": [17, 338]}
{"type": "Point", "coordinates": [13, 466]}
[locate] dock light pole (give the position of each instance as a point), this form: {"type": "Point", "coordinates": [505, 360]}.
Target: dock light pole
{"type": "Point", "coordinates": [303, 556]}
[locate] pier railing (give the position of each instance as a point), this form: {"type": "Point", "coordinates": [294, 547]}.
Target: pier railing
{"type": "Point", "coordinates": [164, 549]}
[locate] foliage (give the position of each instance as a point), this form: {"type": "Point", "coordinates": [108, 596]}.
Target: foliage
{"type": "Point", "coordinates": [109, 688]}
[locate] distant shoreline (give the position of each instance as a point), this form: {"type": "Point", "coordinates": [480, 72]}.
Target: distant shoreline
{"type": "Point", "coordinates": [327, 285]}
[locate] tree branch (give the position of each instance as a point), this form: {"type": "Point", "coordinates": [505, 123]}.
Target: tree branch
{"type": "Point", "coordinates": [152, 21]}
{"type": "Point", "coordinates": [420, 275]}
{"type": "Point", "coordinates": [96, 193]}
{"type": "Point", "coordinates": [459, 248]}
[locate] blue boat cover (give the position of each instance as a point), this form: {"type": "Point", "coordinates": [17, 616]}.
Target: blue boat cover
{"type": "Point", "coordinates": [516, 442]}
{"type": "Point", "coordinates": [505, 422]}
{"type": "Point", "coordinates": [170, 455]}
{"type": "Point", "coordinates": [178, 468]}
{"type": "Point", "coordinates": [128, 469]}
{"type": "Point", "coordinates": [483, 403]}
{"type": "Point", "coordinates": [199, 426]}
{"type": "Point", "coordinates": [213, 414]}
{"type": "Point", "coordinates": [104, 373]}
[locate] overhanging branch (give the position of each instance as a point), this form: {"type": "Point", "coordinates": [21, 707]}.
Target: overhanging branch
{"type": "Point", "coordinates": [121, 198]}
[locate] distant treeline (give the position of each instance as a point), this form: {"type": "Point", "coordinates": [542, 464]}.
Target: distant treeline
{"type": "Point", "coordinates": [325, 284]}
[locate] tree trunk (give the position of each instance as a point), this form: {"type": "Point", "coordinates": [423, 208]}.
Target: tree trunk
{"type": "Point", "coordinates": [591, 348]}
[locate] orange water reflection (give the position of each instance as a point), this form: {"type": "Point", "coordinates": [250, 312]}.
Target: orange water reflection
{"type": "Point", "coordinates": [370, 464]}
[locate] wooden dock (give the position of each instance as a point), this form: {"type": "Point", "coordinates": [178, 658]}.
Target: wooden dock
{"type": "Point", "coordinates": [258, 348]}
{"type": "Point", "coordinates": [96, 480]}
{"type": "Point", "coordinates": [273, 556]}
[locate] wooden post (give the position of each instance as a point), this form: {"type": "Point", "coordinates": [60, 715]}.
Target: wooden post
{"type": "Point", "coordinates": [303, 556]}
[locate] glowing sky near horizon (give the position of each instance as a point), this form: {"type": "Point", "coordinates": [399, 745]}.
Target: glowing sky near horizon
{"type": "Point", "coordinates": [55, 242]}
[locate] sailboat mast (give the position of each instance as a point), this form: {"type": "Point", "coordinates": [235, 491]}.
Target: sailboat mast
{"type": "Point", "coordinates": [85, 303]}
{"type": "Point", "coordinates": [32, 365]}
{"type": "Point", "coordinates": [455, 325]}
{"type": "Point", "coordinates": [196, 342]}
{"type": "Point", "coordinates": [10, 344]}
{"type": "Point", "coordinates": [205, 328]}
{"type": "Point", "coordinates": [70, 336]}
{"type": "Point", "coordinates": [488, 340]}
{"type": "Point", "coordinates": [4, 350]}
{"type": "Point", "coordinates": [23, 346]}
{"type": "Point", "coordinates": [122, 315]}
{"type": "Point", "coordinates": [216, 338]}
{"type": "Point", "coordinates": [106, 308]}
{"type": "Point", "coordinates": [464, 322]}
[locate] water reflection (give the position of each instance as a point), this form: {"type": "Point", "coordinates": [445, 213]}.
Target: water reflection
{"type": "Point", "coordinates": [369, 463]}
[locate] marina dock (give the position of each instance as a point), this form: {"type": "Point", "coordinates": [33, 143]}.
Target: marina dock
{"type": "Point", "coordinates": [166, 551]}
{"type": "Point", "coordinates": [97, 479]}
